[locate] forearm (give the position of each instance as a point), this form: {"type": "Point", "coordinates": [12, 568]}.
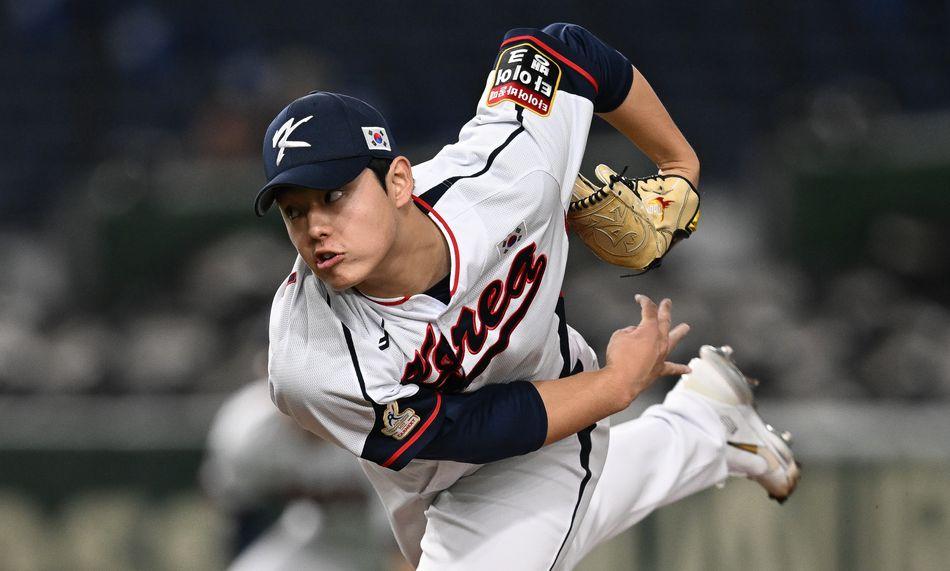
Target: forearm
{"type": "Point", "coordinates": [503, 420]}
{"type": "Point", "coordinates": [509, 419]}
{"type": "Point", "coordinates": [575, 402]}
{"type": "Point", "coordinates": [643, 119]}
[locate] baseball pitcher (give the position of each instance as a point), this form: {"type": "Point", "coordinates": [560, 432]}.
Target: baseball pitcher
{"type": "Point", "coordinates": [422, 326]}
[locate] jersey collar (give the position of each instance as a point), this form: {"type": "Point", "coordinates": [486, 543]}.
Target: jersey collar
{"type": "Point", "coordinates": [454, 264]}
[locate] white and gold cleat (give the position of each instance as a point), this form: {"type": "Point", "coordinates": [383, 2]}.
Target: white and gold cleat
{"type": "Point", "coordinates": [756, 450]}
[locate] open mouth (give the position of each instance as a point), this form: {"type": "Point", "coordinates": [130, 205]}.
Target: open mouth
{"type": "Point", "coordinates": [328, 260]}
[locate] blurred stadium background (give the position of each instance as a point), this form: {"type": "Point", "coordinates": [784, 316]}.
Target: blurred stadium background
{"type": "Point", "coordinates": [135, 281]}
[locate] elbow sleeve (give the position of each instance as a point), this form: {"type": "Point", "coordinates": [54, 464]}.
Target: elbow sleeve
{"type": "Point", "coordinates": [495, 422]}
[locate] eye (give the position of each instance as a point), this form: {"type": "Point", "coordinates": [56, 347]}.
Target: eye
{"type": "Point", "coordinates": [292, 212]}
{"type": "Point", "coordinates": [332, 196]}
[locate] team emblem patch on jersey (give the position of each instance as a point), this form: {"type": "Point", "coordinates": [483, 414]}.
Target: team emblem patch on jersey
{"type": "Point", "coordinates": [527, 77]}
{"type": "Point", "coordinates": [376, 138]}
{"type": "Point", "coordinates": [398, 424]}
{"type": "Point", "coordinates": [512, 239]}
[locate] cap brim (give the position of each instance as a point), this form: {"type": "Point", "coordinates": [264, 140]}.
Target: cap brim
{"type": "Point", "coordinates": [326, 175]}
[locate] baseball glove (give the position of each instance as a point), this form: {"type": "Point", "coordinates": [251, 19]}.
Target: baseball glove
{"type": "Point", "coordinates": [633, 222]}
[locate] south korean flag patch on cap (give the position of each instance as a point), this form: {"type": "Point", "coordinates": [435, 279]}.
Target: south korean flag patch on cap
{"type": "Point", "coordinates": [376, 138]}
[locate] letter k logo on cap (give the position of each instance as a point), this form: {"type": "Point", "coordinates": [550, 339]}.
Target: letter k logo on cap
{"type": "Point", "coordinates": [282, 136]}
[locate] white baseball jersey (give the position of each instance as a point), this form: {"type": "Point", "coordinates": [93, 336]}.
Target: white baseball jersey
{"type": "Point", "coordinates": [369, 374]}
{"type": "Point", "coordinates": [499, 196]}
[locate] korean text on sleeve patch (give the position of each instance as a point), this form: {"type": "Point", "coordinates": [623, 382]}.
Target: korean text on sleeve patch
{"type": "Point", "coordinates": [527, 77]}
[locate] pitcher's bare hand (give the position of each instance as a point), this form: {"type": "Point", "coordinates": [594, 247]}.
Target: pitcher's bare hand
{"type": "Point", "coordinates": [637, 355]}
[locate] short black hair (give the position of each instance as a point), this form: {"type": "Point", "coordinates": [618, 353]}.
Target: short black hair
{"type": "Point", "coordinates": [380, 168]}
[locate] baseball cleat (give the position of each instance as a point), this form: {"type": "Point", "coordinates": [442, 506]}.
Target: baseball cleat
{"type": "Point", "coordinates": [755, 449]}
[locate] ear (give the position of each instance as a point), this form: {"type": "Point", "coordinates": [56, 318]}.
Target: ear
{"type": "Point", "coordinates": [399, 181]}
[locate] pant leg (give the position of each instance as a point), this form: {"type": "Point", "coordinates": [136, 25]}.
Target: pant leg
{"type": "Point", "coordinates": [518, 513]}
{"type": "Point", "coordinates": [671, 451]}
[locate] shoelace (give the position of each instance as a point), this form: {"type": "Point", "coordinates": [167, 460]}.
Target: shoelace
{"type": "Point", "coordinates": [601, 194]}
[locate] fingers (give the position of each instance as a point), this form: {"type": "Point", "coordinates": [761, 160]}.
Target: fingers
{"type": "Point", "coordinates": [663, 316]}
{"type": "Point", "coordinates": [677, 334]}
{"type": "Point", "coordinates": [648, 309]}
{"type": "Point", "coordinates": [674, 369]}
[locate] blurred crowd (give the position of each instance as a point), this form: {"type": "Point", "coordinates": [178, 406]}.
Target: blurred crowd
{"type": "Point", "coordinates": [861, 332]}
{"type": "Point", "coordinates": [132, 262]}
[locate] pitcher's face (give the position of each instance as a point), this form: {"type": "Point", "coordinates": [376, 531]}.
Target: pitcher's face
{"type": "Point", "coordinates": [343, 235]}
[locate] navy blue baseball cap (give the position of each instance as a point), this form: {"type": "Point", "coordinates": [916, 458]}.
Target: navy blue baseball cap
{"type": "Point", "coordinates": [323, 141]}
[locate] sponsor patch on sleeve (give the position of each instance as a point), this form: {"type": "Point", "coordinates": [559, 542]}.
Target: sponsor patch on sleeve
{"type": "Point", "coordinates": [526, 76]}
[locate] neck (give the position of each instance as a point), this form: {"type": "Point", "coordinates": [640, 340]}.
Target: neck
{"type": "Point", "coordinates": [418, 259]}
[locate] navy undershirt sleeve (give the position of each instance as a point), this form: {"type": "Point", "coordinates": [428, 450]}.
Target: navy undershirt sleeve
{"type": "Point", "coordinates": [613, 71]}
{"type": "Point", "coordinates": [495, 422]}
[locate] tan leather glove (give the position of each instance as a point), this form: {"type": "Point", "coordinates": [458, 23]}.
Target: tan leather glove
{"type": "Point", "coordinates": [633, 222]}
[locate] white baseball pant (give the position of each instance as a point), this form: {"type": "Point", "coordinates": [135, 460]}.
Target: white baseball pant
{"type": "Point", "coordinates": [548, 509]}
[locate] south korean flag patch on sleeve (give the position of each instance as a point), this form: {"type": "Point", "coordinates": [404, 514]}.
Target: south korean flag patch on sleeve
{"type": "Point", "coordinates": [376, 138]}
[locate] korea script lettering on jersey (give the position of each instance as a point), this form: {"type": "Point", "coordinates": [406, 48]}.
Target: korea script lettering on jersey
{"type": "Point", "coordinates": [370, 374]}
{"type": "Point", "coordinates": [437, 364]}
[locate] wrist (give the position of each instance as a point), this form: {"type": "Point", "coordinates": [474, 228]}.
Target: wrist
{"type": "Point", "coordinates": [613, 384]}
{"type": "Point", "coordinates": [688, 169]}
